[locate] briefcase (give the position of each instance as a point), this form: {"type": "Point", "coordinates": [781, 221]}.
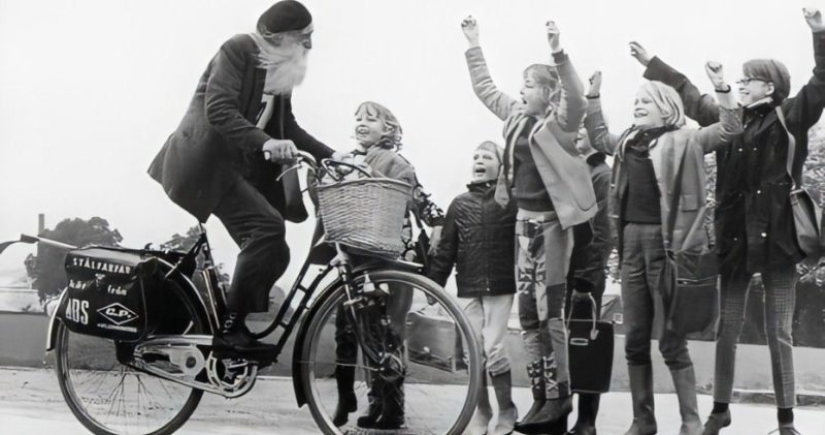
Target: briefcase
{"type": "Point", "coordinates": [433, 340]}
{"type": "Point", "coordinates": [590, 353]}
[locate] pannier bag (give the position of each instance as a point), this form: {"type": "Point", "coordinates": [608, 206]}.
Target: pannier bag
{"type": "Point", "coordinates": [110, 293]}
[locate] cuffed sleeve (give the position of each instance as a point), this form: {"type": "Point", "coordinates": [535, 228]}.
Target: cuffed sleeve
{"type": "Point", "coordinates": [700, 107]}
{"type": "Point", "coordinates": [597, 132]}
{"type": "Point", "coordinates": [441, 264]}
{"type": "Point", "coordinates": [573, 105]}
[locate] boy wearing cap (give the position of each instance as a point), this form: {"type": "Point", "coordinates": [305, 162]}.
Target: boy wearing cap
{"type": "Point", "coordinates": [754, 223]}
{"type": "Point", "coordinates": [213, 164]}
{"type": "Point", "coordinates": [478, 239]}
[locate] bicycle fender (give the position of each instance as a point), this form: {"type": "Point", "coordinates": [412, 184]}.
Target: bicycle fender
{"type": "Point", "coordinates": [300, 339]}
{"type": "Point", "coordinates": [51, 331]}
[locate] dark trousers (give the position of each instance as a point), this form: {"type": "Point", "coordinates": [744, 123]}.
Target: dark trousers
{"type": "Point", "coordinates": [643, 265]}
{"type": "Point", "coordinates": [259, 230]}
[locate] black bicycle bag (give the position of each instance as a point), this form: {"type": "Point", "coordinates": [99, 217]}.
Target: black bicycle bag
{"type": "Point", "coordinates": [111, 293]}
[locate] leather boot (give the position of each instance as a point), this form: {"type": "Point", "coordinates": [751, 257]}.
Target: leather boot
{"type": "Point", "coordinates": [375, 404]}
{"type": "Point", "coordinates": [551, 418]}
{"type": "Point", "coordinates": [717, 421]}
{"type": "Point", "coordinates": [507, 411]}
{"type": "Point", "coordinates": [483, 414]}
{"type": "Point", "coordinates": [392, 403]}
{"type": "Point", "coordinates": [684, 380]}
{"type": "Point", "coordinates": [588, 409]}
{"type": "Point", "coordinates": [641, 391]}
{"type": "Point", "coordinates": [347, 402]}
{"type": "Point", "coordinates": [534, 372]}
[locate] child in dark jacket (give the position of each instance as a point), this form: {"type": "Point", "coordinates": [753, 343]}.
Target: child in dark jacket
{"type": "Point", "coordinates": [478, 240]}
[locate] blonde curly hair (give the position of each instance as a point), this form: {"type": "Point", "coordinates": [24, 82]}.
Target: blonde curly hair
{"type": "Point", "coordinates": [392, 138]}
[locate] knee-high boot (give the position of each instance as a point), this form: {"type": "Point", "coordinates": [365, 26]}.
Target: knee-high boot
{"type": "Point", "coordinates": [347, 402]}
{"type": "Point", "coordinates": [684, 380]}
{"type": "Point", "coordinates": [641, 391]}
{"type": "Point", "coordinates": [551, 418]}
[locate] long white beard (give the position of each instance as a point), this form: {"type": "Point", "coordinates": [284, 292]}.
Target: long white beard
{"type": "Point", "coordinates": [285, 67]}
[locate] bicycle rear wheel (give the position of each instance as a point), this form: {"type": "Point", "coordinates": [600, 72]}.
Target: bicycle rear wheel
{"type": "Point", "coordinates": [110, 398]}
{"type": "Point", "coordinates": [415, 357]}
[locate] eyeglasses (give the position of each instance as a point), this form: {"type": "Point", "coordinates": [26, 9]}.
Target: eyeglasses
{"type": "Point", "coordinates": [744, 81]}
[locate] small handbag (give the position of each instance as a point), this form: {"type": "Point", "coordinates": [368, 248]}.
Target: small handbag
{"type": "Point", "coordinates": [590, 353]}
{"type": "Point", "coordinates": [806, 213]}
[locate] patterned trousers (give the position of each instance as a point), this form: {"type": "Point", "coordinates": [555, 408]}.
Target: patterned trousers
{"type": "Point", "coordinates": [780, 301]}
{"type": "Point", "coordinates": [543, 252]}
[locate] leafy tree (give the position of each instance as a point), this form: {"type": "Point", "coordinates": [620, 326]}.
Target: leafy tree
{"type": "Point", "coordinates": [182, 243]}
{"type": "Point", "coordinates": [47, 268]}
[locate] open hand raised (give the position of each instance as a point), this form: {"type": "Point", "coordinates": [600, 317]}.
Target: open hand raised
{"type": "Point", "coordinates": [639, 52]}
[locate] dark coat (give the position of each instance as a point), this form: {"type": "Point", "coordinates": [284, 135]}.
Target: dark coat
{"type": "Point", "coordinates": [588, 260]}
{"type": "Point", "coordinates": [674, 152]}
{"type": "Point", "coordinates": [754, 221]}
{"type": "Point", "coordinates": [217, 143]}
{"type": "Point", "coordinates": [479, 239]}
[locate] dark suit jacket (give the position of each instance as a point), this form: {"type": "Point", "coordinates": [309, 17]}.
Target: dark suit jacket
{"type": "Point", "coordinates": [217, 143]}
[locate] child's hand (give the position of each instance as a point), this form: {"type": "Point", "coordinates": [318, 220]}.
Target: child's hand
{"type": "Point", "coordinates": [814, 19]}
{"type": "Point", "coordinates": [716, 74]}
{"type": "Point", "coordinates": [639, 52]}
{"type": "Point", "coordinates": [553, 35]}
{"type": "Point", "coordinates": [470, 28]}
{"type": "Point", "coordinates": [595, 85]}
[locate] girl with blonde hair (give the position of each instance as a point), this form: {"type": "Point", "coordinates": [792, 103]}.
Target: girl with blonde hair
{"type": "Point", "coordinates": [656, 154]}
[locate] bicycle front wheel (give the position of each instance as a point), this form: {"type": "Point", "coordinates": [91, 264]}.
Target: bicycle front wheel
{"type": "Point", "coordinates": [404, 355]}
{"type": "Point", "coordinates": [110, 398]}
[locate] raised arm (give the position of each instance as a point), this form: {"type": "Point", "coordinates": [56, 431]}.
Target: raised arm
{"type": "Point", "coordinates": [498, 102]}
{"type": "Point", "coordinates": [700, 107]}
{"type": "Point", "coordinates": [804, 109]}
{"type": "Point", "coordinates": [573, 105]}
{"type": "Point", "coordinates": [600, 137]}
{"type": "Point", "coordinates": [730, 123]}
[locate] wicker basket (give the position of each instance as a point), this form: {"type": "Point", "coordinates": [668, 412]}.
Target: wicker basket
{"type": "Point", "coordinates": [365, 214]}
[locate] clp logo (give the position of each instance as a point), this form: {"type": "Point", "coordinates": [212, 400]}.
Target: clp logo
{"type": "Point", "coordinates": [117, 313]}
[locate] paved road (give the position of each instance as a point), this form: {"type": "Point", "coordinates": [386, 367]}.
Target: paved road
{"type": "Point", "coordinates": [30, 403]}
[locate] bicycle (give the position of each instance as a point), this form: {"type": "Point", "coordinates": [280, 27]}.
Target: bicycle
{"type": "Point", "coordinates": [153, 384]}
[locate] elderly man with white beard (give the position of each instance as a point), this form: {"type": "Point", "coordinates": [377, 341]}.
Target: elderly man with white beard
{"type": "Point", "coordinates": [214, 163]}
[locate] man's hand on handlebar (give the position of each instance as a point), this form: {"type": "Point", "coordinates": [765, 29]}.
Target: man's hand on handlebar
{"type": "Point", "coordinates": [280, 150]}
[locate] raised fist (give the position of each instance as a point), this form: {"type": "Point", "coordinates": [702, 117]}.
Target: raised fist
{"type": "Point", "coordinates": [595, 84]}
{"type": "Point", "coordinates": [470, 28]}
{"type": "Point", "coordinates": [553, 34]}
{"type": "Point", "coordinates": [716, 74]}
{"type": "Point", "coordinates": [814, 19]}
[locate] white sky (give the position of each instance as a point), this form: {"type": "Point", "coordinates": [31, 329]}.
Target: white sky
{"type": "Point", "coordinates": [89, 90]}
